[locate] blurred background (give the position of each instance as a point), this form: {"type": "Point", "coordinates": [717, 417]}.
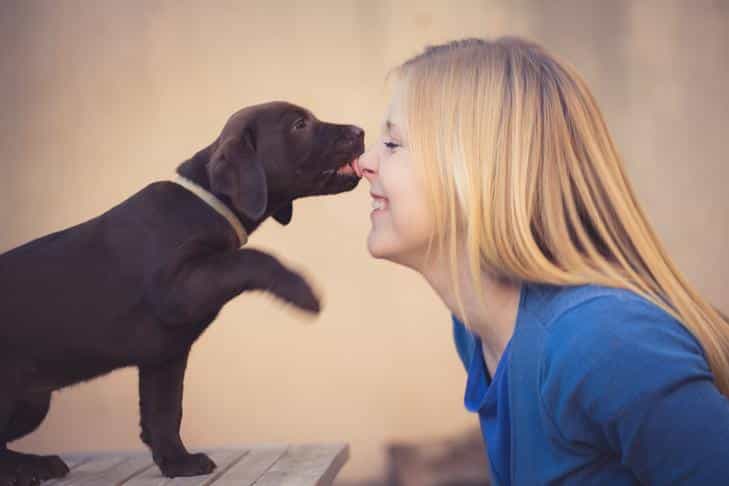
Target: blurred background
{"type": "Point", "coordinates": [102, 97]}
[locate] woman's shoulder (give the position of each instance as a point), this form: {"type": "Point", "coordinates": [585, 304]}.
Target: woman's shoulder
{"type": "Point", "coordinates": [619, 346]}
{"type": "Point", "coordinates": [553, 305]}
{"type": "Point", "coordinates": [599, 321]}
{"type": "Point", "coordinates": [619, 373]}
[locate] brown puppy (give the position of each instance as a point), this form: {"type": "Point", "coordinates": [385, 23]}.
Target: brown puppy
{"type": "Point", "coordinates": [137, 285]}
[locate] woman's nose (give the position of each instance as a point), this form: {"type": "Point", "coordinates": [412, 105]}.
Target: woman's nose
{"type": "Point", "coordinates": [368, 163]}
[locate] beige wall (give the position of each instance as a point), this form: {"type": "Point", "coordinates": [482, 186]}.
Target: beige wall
{"type": "Point", "coordinates": [101, 97]}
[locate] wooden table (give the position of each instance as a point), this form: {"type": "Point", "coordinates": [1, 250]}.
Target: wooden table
{"type": "Point", "coordinates": [259, 465]}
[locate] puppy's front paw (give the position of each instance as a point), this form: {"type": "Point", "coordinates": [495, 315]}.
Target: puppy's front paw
{"type": "Point", "coordinates": [189, 465]}
{"type": "Point", "coordinates": [294, 289]}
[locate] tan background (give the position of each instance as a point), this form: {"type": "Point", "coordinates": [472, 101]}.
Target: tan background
{"type": "Point", "coordinates": [100, 98]}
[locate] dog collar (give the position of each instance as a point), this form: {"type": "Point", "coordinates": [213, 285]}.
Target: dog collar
{"type": "Point", "coordinates": [216, 204]}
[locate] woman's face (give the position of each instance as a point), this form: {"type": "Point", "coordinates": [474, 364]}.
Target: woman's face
{"type": "Point", "coordinates": [401, 223]}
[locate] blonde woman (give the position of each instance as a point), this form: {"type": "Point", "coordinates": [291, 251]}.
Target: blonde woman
{"type": "Point", "coordinates": [590, 359]}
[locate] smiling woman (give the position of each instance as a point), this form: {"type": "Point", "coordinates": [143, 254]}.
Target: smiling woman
{"type": "Point", "coordinates": [590, 359]}
{"type": "Point", "coordinates": [401, 222]}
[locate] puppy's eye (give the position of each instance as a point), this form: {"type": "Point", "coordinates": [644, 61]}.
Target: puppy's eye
{"type": "Point", "coordinates": [299, 124]}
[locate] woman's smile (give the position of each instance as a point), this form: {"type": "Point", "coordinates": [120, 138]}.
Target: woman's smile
{"type": "Point", "coordinates": [379, 204]}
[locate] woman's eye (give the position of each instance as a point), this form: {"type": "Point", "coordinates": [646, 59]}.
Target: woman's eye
{"type": "Point", "coordinates": [299, 124]}
{"type": "Point", "coordinates": [391, 145]}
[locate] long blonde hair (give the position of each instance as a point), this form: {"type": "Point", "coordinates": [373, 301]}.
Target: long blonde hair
{"type": "Point", "coordinates": [516, 156]}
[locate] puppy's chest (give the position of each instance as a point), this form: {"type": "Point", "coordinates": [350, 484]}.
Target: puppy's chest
{"type": "Point", "coordinates": [47, 375]}
{"type": "Point", "coordinates": [145, 342]}
{"type": "Point", "coordinates": [151, 341]}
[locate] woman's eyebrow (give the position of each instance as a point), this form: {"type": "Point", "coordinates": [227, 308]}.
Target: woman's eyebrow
{"type": "Point", "coordinates": [389, 127]}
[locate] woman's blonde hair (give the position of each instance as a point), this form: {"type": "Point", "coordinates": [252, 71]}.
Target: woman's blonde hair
{"type": "Point", "coordinates": [515, 154]}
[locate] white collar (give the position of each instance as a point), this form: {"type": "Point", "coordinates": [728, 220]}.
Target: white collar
{"type": "Point", "coordinates": [216, 204]}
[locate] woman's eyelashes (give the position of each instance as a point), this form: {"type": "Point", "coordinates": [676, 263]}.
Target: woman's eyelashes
{"type": "Point", "coordinates": [391, 145]}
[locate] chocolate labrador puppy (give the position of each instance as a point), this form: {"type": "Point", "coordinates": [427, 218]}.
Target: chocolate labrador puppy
{"type": "Point", "coordinates": [137, 285]}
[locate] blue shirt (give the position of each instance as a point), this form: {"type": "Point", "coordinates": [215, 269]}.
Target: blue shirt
{"type": "Point", "coordinates": [490, 399]}
{"type": "Point", "coordinates": [600, 386]}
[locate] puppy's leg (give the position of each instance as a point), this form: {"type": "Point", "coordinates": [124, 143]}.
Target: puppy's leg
{"type": "Point", "coordinates": [17, 419]}
{"type": "Point", "coordinates": [193, 288]}
{"type": "Point", "coordinates": [160, 402]}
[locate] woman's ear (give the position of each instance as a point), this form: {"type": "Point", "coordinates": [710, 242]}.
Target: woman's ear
{"type": "Point", "coordinates": [235, 171]}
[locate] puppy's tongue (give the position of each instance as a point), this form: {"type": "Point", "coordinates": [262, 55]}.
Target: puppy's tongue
{"type": "Point", "coordinates": [346, 169]}
{"type": "Point", "coordinates": [356, 167]}
{"type": "Point", "coordinates": [351, 168]}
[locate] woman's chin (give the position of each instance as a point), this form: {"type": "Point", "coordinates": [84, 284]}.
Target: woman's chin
{"type": "Point", "coordinates": [373, 248]}
{"type": "Point", "coordinates": [384, 250]}
{"type": "Point", "coordinates": [377, 247]}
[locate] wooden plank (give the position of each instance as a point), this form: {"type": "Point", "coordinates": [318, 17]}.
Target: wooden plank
{"type": "Point", "coordinates": [252, 466]}
{"type": "Point", "coordinates": [257, 465]}
{"type": "Point", "coordinates": [153, 477]}
{"type": "Point", "coordinates": [125, 470]}
{"type": "Point", "coordinates": [75, 461]}
{"type": "Point", "coordinates": [72, 462]}
{"type": "Point", "coordinates": [306, 465]}
{"type": "Point", "coordinates": [94, 468]}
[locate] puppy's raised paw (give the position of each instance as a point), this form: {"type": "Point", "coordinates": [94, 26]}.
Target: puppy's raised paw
{"type": "Point", "coordinates": [295, 290]}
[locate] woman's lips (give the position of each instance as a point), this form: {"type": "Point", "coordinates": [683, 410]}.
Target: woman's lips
{"type": "Point", "coordinates": [379, 203]}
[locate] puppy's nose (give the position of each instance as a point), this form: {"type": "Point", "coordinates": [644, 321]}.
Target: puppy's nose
{"type": "Point", "coordinates": [356, 132]}
{"type": "Point", "coordinates": [352, 137]}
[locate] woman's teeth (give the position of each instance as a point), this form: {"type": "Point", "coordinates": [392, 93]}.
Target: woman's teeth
{"type": "Point", "coordinates": [379, 204]}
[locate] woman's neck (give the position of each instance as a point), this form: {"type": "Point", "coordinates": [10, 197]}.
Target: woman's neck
{"type": "Point", "coordinates": [490, 314]}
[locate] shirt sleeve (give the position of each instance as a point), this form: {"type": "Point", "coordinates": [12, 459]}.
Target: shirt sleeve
{"type": "Point", "coordinates": [464, 341]}
{"type": "Point", "coordinates": [623, 377]}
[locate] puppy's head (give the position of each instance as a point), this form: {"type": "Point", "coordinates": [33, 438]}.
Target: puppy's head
{"type": "Point", "coordinates": [277, 152]}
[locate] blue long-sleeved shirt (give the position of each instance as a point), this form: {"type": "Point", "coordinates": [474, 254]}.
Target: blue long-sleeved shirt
{"type": "Point", "coordinates": [604, 387]}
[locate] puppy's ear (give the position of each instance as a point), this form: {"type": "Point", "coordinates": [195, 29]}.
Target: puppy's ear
{"type": "Point", "coordinates": [283, 215]}
{"type": "Point", "coordinates": [235, 171]}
